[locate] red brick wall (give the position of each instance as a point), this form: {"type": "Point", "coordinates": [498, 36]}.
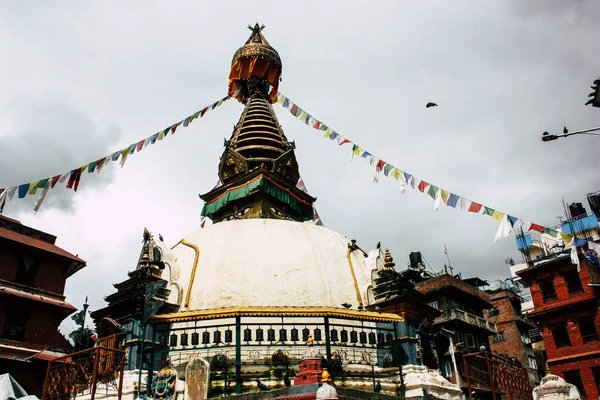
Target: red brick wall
{"type": "Point", "coordinates": [50, 273]}
{"type": "Point", "coordinates": [577, 346]}
{"type": "Point", "coordinates": [556, 272]}
{"type": "Point", "coordinates": [585, 369]}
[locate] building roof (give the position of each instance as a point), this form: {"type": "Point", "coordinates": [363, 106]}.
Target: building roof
{"type": "Point", "coordinates": [447, 283]}
{"type": "Point", "coordinates": [12, 230]}
{"type": "Point", "coordinates": [229, 312]}
{"type": "Point", "coordinates": [9, 289]}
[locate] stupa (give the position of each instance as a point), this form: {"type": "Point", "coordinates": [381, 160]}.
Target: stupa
{"type": "Point", "coordinates": [247, 292]}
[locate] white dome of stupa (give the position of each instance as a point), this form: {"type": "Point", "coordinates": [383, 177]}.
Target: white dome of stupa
{"type": "Point", "coordinates": [268, 262]}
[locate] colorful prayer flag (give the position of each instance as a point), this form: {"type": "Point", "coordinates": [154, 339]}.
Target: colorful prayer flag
{"type": "Point", "coordinates": [475, 207]}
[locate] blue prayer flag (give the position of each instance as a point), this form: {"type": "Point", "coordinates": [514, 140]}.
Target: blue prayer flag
{"type": "Point", "coordinates": [453, 200]}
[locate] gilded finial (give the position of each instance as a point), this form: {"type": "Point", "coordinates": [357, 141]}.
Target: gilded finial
{"type": "Point", "coordinates": [325, 376]}
{"type": "Point", "coordinates": [548, 370]}
{"type": "Point", "coordinates": [309, 341]}
{"type": "Point", "coordinates": [388, 259]}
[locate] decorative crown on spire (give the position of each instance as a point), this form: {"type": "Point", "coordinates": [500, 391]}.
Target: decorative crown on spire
{"type": "Point", "coordinates": [255, 61]}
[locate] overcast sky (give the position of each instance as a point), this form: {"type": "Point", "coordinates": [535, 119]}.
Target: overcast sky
{"type": "Point", "coordinates": [79, 80]}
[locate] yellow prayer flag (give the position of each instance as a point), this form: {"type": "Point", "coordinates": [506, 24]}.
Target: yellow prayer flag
{"type": "Point", "coordinates": [280, 98]}
{"type": "Point", "coordinates": [328, 133]}
{"type": "Point", "coordinates": [219, 103]}
{"type": "Point", "coordinates": [445, 194]}
{"type": "Point", "coordinates": [161, 135]}
{"type": "Point", "coordinates": [396, 173]}
{"type": "Point", "coordinates": [357, 151]}
{"type": "Point", "coordinates": [83, 167]}
{"type": "Point", "coordinates": [567, 238]}
{"type": "Point", "coordinates": [303, 116]}
{"type": "Point", "coordinates": [33, 186]}
{"type": "Point", "coordinates": [498, 216]}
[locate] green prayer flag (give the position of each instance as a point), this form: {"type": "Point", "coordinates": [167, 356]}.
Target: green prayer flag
{"type": "Point", "coordinates": [91, 166]}
{"type": "Point", "coordinates": [387, 169]}
{"type": "Point", "coordinates": [550, 231]}
{"type": "Point", "coordinates": [42, 184]}
{"type": "Point", "coordinates": [324, 127]}
{"type": "Point", "coordinates": [488, 211]}
{"type": "Point", "coordinates": [433, 190]}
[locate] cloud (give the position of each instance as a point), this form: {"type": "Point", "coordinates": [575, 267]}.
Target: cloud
{"type": "Point", "coordinates": [48, 137]}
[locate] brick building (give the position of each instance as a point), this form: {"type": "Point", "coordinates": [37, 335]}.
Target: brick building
{"type": "Point", "coordinates": [566, 312]}
{"type": "Point", "coordinates": [33, 272]}
{"type": "Point", "coordinates": [462, 306]}
{"type": "Point", "coordinates": [515, 331]}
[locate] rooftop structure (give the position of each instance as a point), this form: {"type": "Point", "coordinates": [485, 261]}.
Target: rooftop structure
{"type": "Point", "coordinates": [33, 273]}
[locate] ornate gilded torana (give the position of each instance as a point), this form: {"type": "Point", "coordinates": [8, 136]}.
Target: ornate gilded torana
{"type": "Point", "coordinates": [258, 168]}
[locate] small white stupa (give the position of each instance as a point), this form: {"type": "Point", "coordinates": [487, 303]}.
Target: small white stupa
{"type": "Point", "coordinates": [553, 387]}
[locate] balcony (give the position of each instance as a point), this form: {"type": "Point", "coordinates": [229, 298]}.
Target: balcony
{"type": "Point", "coordinates": [456, 314]}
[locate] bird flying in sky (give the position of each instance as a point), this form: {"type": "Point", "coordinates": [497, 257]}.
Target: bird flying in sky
{"type": "Point", "coordinates": [431, 104]}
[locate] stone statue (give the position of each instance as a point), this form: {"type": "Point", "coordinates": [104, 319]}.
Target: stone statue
{"type": "Point", "coordinates": [163, 384]}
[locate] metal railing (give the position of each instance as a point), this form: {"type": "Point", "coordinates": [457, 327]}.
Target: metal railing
{"type": "Point", "coordinates": [466, 317]}
{"type": "Point", "coordinates": [79, 374]}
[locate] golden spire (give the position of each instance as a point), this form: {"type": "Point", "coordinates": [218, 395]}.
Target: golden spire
{"type": "Point", "coordinates": [310, 342]}
{"type": "Point", "coordinates": [548, 370]}
{"type": "Point", "coordinates": [325, 376]}
{"type": "Point", "coordinates": [389, 260]}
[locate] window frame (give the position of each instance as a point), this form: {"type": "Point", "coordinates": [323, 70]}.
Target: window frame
{"type": "Point", "coordinates": [573, 274]}
{"type": "Point", "coordinates": [562, 343]}
{"type": "Point", "coordinates": [21, 315]}
{"type": "Point", "coordinates": [568, 375]}
{"type": "Point", "coordinates": [590, 337]}
{"type": "Point", "coordinates": [547, 297]}
{"type": "Point", "coordinates": [467, 336]}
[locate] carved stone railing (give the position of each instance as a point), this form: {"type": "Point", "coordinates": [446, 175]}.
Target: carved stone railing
{"type": "Point", "coordinates": [466, 317]}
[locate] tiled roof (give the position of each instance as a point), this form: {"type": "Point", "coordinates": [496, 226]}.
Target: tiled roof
{"type": "Point", "coordinates": [37, 243]}
{"type": "Point", "coordinates": [4, 289]}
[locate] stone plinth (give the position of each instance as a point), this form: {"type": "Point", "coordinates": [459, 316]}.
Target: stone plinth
{"type": "Point", "coordinates": [553, 387]}
{"type": "Point", "coordinates": [419, 381]}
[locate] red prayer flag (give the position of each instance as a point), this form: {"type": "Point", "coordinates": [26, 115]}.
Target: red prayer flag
{"type": "Point", "coordinates": [317, 125]}
{"type": "Point", "coordinates": [204, 110]}
{"type": "Point", "coordinates": [55, 179]}
{"type": "Point", "coordinates": [474, 207]}
{"type": "Point", "coordinates": [422, 186]}
{"type": "Point", "coordinates": [536, 227]}
{"type": "Point", "coordinates": [345, 141]}
{"type": "Point", "coordinates": [293, 109]}
{"type": "Point", "coordinates": [380, 165]}
{"type": "Point", "coordinates": [140, 145]}
{"type": "Point", "coordinates": [74, 178]}
{"type": "Point", "coordinates": [272, 94]}
{"type": "Point", "coordinates": [173, 128]}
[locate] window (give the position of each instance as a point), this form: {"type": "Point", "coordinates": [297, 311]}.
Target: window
{"type": "Point", "coordinates": [448, 368]}
{"type": "Point", "coordinates": [16, 319]}
{"type": "Point", "coordinates": [531, 362]}
{"type": "Point", "coordinates": [493, 311]}
{"type": "Point", "coordinates": [561, 336]}
{"type": "Point", "coordinates": [596, 373]}
{"type": "Point", "coordinates": [433, 304]}
{"type": "Point", "coordinates": [588, 331]}
{"type": "Point", "coordinates": [547, 289]}
{"type": "Point", "coordinates": [26, 271]}
{"type": "Point", "coordinates": [470, 340]}
{"type": "Point", "coordinates": [574, 378]}
{"type": "Point", "coordinates": [499, 337]}
{"type": "Point", "coordinates": [573, 282]}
